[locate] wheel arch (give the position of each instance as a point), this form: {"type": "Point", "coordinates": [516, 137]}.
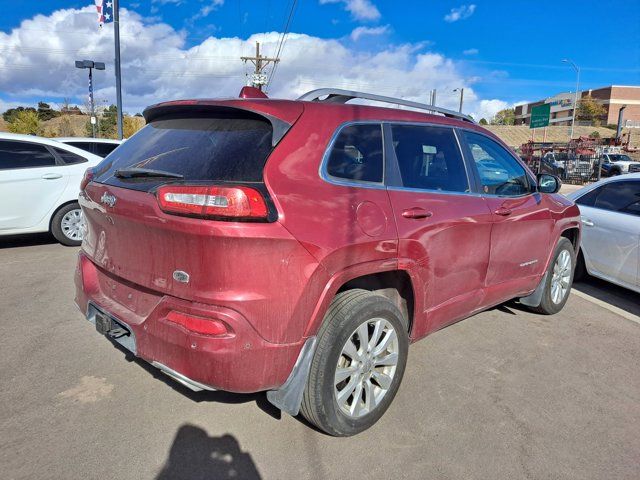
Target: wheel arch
{"type": "Point", "coordinates": [383, 277]}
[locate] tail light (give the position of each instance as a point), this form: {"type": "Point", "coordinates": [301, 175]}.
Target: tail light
{"type": "Point", "coordinates": [212, 201]}
{"type": "Point", "coordinates": [88, 176]}
{"type": "Point", "coordinates": [201, 325]}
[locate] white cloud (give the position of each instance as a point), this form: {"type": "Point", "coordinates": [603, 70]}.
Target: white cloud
{"type": "Point", "coordinates": [471, 51]}
{"type": "Point", "coordinates": [208, 8]}
{"type": "Point", "coordinates": [36, 62]}
{"type": "Point", "coordinates": [460, 13]}
{"type": "Point", "coordinates": [488, 108]}
{"type": "Point", "coordinates": [360, 32]}
{"type": "Point", "coordinates": [359, 9]}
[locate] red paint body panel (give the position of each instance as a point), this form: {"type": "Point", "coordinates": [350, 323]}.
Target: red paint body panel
{"type": "Point", "coordinates": [272, 282]}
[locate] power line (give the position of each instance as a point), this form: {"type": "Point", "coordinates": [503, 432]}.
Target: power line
{"type": "Point", "coordinates": [285, 33]}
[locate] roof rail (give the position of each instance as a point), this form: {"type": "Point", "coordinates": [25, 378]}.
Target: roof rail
{"type": "Point", "coordinates": [336, 95]}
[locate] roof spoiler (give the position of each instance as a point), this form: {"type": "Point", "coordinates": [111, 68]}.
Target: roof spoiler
{"type": "Point", "coordinates": [153, 112]}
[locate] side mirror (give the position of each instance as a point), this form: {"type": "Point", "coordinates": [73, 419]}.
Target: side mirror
{"type": "Point", "coordinates": [548, 183]}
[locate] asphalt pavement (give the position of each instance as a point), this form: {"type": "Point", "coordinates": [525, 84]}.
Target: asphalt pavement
{"type": "Point", "coordinates": [503, 395]}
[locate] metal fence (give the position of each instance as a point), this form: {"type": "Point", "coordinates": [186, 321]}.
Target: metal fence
{"type": "Point", "coordinates": [576, 170]}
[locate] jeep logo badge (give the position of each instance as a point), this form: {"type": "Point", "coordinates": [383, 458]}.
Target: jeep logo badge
{"type": "Point", "coordinates": [108, 200]}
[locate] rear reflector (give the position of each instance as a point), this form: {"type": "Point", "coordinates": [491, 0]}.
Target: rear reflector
{"type": "Point", "coordinates": [212, 201]}
{"type": "Point", "coordinates": [203, 326]}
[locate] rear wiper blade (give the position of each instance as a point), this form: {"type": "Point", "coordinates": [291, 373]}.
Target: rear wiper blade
{"type": "Point", "coordinates": [145, 172]}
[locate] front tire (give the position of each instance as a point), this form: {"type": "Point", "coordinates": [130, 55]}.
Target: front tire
{"type": "Point", "coordinates": [358, 364]}
{"type": "Point", "coordinates": [559, 279]}
{"type": "Point", "coordinates": [67, 225]}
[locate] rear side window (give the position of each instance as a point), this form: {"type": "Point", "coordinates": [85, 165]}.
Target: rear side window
{"type": "Point", "coordinates": [104, 149]}
{"type": "Point", "coordinates": [623, 197]}
{"type": "Point", "coordinates": [202, 149]}
{"type": "Point", "coordinates": [15, 155]}
{"type": "Point", "coordinates": [357, 154]}
{"type": "Point", "coordinates": [69, 158]}
{"type": "Point", "coordinates": [86, 146]}
{"type": "Point", "coordinates": [429, 158]}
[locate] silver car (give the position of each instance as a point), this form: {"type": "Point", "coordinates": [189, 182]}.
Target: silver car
{"type": "Point", "coordinates": [610, 215]}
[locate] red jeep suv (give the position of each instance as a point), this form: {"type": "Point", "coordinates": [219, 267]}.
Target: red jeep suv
{"type": "Point", "coordinates": [298, 247]}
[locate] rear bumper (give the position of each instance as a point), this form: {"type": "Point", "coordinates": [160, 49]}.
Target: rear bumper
{"type": "Point", "coordinates": [241, 361]}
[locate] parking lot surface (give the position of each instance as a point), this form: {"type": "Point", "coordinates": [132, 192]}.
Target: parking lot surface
{"type": "Point", "coordinates": [504, 394]}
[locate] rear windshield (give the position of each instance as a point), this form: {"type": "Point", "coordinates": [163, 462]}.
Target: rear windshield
{"type": "Point", "coordinates": [202, 149]}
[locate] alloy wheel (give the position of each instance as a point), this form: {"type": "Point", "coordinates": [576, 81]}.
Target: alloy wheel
{"type": "Point", "coordinates": [561, 277]}
{"type": "Point", "coordinates": [366, 367]}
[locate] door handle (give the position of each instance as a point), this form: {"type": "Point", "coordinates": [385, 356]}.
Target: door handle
{"type": "Point", "coordinates": [51, 176]}
{"type": "Point", "coordinates": [416, 213]}
{"type": "Point", "coordinates": [503, 211]}
{"type": "Point", "coordinates": [586, 222]}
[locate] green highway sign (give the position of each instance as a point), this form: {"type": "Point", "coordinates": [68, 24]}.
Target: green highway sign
{"type": "Point", "coordinates": [540, 116]}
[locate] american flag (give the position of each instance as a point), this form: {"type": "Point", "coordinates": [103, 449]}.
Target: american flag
{"type": "Point", "coordinates": [105, 11]}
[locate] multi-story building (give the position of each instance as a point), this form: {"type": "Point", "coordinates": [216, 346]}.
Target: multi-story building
{"type": "Point", "coordinates": [612, 98]}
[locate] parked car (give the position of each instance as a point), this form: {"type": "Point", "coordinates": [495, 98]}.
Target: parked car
{"type": "Point", "coordinates": [610, 214]}
{"type": "Point", "coordinates": [298, 247]}
{"type": "Point", "coordinates": [613, 164]}
{"type": "Point", "coordinates": [98, 146]}
{"type": "Point", "coordinates": [39, 186]}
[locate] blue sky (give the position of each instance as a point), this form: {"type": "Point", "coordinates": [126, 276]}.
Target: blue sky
{"type": "Point", "coordinates": [506, 51]}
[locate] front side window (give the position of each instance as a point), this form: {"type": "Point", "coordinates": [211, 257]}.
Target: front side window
{"type": "Point", "coordinates": [357, 154]}
{"type": "Point", "coordinates": [429, 158]}
{"type": "Point", "coordinates": [623, 197]}
{"type": "Point", "coordinates": [500, 173]}
{"type": "Point", "coordinates": [14, 155]}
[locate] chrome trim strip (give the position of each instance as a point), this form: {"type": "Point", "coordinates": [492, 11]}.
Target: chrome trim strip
{"type": "Point", "coordinates": [182, 379]}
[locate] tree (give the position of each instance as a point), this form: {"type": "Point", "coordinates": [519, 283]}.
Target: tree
{"type": "Point", "coordinates": [483, 121]}
{"type": "Point", "coordinates": [10, 114]}
{"type": "Point", "coordinates": [25, 121]}
{"type": "Point", "coordinates": [45, 112]}
{"type": "Point", "coordinates": [131, 126]}
{"type": "Point", "coordinates": [504, 117]}
{"type": "Point", "coordinates": [590, 111]}
{"type": "Point", "coordinates": [106, 123]}
{"type": "Point", "coordinates": [65, 129]}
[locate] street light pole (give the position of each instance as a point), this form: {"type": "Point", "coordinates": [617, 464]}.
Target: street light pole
{"type": "Point", "coordinates": [90, 64]}
{"type": "Point", "coordinates": [461, 90]}
{"type": "Point", "coordinates": [575, 98]}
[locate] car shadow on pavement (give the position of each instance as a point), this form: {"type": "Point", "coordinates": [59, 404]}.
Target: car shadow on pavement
{"type": "Point", "coordinates": [33, 239]}
{"type": "Point", "coordinates": [195, 455]}
{"type": "Point", "coordinates": [260, 398]}
{"type": "Point", "coordinates": [620, 297]}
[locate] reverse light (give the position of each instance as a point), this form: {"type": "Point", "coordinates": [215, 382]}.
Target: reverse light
{"type": "Point", "coordinates": [212, 201]}
{"type": "Point", "coordinates": [86, 178]}
{"type": "Point", "coordinates": [200, 325]}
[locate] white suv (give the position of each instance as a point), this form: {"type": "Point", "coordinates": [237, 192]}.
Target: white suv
{"type": "Point", "coordinates": [39, 186]}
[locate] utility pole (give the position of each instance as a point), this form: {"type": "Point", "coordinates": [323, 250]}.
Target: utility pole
{"type": "Point", "coordinates": [259, 79]}
{"type": "Point", "coordinates": [116, 34]}
{"type": "Point", "coordinates": [433, 97]}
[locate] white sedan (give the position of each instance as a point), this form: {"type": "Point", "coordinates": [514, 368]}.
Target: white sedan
{"type": "Point", "coordinates": [610, 214]}
{"type": "Point", "coordinates": [39, 186]}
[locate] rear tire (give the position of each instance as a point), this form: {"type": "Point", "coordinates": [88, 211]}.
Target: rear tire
{"type": "Point", "coordinates": [67, 225]}
{"type": "Point", "coordinates": [358, 363]}
{"type": "Point", "coordinates": [559, 279]}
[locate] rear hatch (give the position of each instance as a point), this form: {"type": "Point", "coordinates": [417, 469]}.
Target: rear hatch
{"type": "Point", "coordinates": [176, 206]}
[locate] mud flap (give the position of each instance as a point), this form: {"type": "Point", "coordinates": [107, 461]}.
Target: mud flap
{"type": "Point", "coordinates": [535, 298]}
{"type": "Point", "coordinates": [288, 397]}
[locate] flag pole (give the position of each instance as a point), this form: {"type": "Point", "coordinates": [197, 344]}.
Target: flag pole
{"type": "Point", "coordinates": [116, 32]}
